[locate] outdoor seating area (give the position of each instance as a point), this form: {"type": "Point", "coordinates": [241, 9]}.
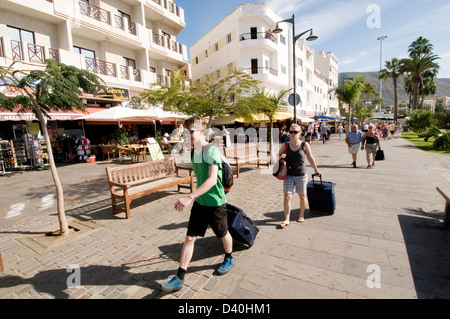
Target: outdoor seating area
{"type": "Point", "coordinates": [132, 181]}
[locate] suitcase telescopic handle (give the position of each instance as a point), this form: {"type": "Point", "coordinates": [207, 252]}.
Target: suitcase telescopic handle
{"type": "Point", "coordinates": [320, 176]}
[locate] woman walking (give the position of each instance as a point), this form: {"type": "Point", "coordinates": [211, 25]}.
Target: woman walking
{"type": "Point", "coordinates": [371, 140]}
{"type": "Point", "coordinates": [294, 154]}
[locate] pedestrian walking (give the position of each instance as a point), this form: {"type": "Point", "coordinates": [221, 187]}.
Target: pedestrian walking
{"type": "Point", "coordinates": [391, 130]}
{"type": "Point", "coordinates": [324, 132]}
{"type": "Point", "coordinates": [399, 129]}
{"type": "Point", "coordinates": [371, 141]}
{"type": "Point", "coordinates": [209, 206]}
{"type": "Point", "coordinates": [310, 132]}
{"type": "Point", "coordinates": [353, 140]}
{"type": "Point", "coordinates": [294, 153]}
{"type": "Point", "coordinates": [340, 130]}
{"type": "Point", "coordinates": [226, 137]}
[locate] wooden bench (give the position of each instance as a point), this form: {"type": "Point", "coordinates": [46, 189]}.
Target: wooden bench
{"type": "Point", "coordinates": [446, 195]}
{"type": "Point", "coordinates": [240, 154]}
{"type": "Point", "coordinates": [129, 182]}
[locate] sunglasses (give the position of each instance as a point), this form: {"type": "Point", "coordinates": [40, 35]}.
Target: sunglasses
{"type": "Point", "coordinates": [294, 132]}
{"type": "Point", "coordinates": [192, 131]}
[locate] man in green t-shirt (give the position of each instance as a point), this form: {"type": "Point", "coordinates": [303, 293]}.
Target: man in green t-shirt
{"type": "Point", "coordinates": [209, 206]}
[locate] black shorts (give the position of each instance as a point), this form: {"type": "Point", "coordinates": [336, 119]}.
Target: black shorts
{"type": "Point", "coordinates": [202, 216]}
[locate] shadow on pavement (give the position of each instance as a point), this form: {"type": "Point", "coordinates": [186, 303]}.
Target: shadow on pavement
{"type": "Point", "coordinates": [427, 242]}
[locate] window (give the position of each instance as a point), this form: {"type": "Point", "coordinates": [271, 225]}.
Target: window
{"type": "Point", "coordinates": [20, 35]}
{"type": "Point", "coordinates": [196, 60]}
{"type": "Point", "coordinates": [283, 69]}
{"type": "Point", "coordinates": [87, 53]}
{"type": "Point", "coordinates": [230, 68]}
{"type": "Point", "coordinates": [283, 39]}
{"type": "Point", "coordinates": [152, 69]}
{"type": "Point", "coordinates": [206, 53]}
{"type": "Point", "coordinates": [228, 37]}
{"type": "Point", "coordinates": [129, 62]}
{"type": "Point", "coordinates": [216, 47]}
{"type": "Point", "coordinates": [217, 74]}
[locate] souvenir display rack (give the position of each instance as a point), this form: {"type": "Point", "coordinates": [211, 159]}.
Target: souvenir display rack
{"type": "Point", "coordinates": [8, 161]}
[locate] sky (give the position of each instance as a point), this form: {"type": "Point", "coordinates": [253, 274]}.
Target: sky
{"type": "Point", "coordinates": [349, 28]}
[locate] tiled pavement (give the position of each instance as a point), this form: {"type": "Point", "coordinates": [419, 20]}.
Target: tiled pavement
{"type": "Point", "coordinates": [387, 229]}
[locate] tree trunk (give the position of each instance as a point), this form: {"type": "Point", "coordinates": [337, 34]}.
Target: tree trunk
{"type": "Point", "coordinates": [395, 100]}
{"type": "Point", "coordinates": [63, 226]}
{"type": "Point", "coordinates": [415, 95]}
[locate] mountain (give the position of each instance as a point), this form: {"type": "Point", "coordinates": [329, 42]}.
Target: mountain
{"type": "Point", "coordinates": [388, 88]}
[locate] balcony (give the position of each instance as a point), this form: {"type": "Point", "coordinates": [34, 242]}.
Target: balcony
{"type": "Point", "coordinates": [120, 23]}
{"type": "Point", "coordinates": [264, 74]}
{"type": "Point", "coordinates": [258, 40]}
{"type": "Point", "coordinates": [125, 72]}
{"type": "Point", "coordinates": [260, 70]}
{"type": "Point", "coordinates": [100, 67]}
{"type": "Point", "coordinates": [94, 12]}
{"type": "Point", "coordinates": [32, 53]}
{"type": "Point", "coordinates": [170, 48]}
{"type": "Point", "coordinates": [174, 15]}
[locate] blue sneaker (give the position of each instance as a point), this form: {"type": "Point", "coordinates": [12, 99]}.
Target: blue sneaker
{"type": "Point", "coordinates": [172, 285]}
{"type": "Point", "coordinates": [226, 266]}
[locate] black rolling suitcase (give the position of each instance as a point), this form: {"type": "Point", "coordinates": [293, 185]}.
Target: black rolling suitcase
{"type": "Point", "coordinates": [241, 228]}
{"type": "Point", "coordinates": [321, 197]}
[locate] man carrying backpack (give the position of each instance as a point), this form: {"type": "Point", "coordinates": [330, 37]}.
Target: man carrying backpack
{"type": "Point", "coordinates": [209, 206]}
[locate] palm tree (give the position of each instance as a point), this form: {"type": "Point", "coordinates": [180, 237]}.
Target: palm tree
{"type": "Point", "coordinates": [392, 71]}
{"type": "Point", "coordinates": [417, 66]}
{"type": "Point", "coordinates": [349, 93]}
{"type": "Point", "coordinates": [421, 64]}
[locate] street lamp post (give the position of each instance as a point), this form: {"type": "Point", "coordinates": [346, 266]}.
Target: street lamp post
{"type": "Point", "coordinates": [381, 58]}
{"type": "Point", "coordinates": [311, 37]}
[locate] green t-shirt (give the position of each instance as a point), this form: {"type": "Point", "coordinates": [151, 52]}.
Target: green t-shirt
{"type": "Point", "coordinates": [210, 155]}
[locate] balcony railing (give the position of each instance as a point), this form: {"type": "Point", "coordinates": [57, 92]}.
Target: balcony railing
{"type": "Point", "coordinates": [35, 53]}
{"type": "Point", "coordinates": [167, 43]}
{"type": "Point", "coordinates": [94, 12]}
{"type": "Point", "coordinates": [120, 23]}
{"type": "Point", "coordinates": [125, 74]}
{"type": "Point", "coordinates": [2, 50]}
{"type": "Point", "coordinates": [257, 36]}
{"type": "Point", "coordinates": [164, 80]}
{"type": "Point", "coordinates": [100, 67]}
{"type": "Point", "coordinates": [169, 5]}
{"type": "Point", "coordinates": [260, 70]}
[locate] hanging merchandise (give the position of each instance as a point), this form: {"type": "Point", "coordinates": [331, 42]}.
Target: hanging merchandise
{"type": "Point", "coordinates": [8, 159]}
{"type": "Point", "coordinates": [83, 148]}
{"type": "Point", "coordinates": [36, 150]}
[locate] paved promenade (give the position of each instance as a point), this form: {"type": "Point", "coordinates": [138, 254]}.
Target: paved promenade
{"type": "Point", "coordinates": [385, 240]}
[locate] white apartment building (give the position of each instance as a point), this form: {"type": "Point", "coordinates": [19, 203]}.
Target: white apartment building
{"type": "Point", "coordinates": [130, 44]}
{"type": "Point", "coordinates": [327, 64]}
{"type": "Point", "coordinates": [243, 41]}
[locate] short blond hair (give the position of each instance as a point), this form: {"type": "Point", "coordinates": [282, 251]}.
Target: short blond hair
{"type": "Point", "coordinates": [295, 126]}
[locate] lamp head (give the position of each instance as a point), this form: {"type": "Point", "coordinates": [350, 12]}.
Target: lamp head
{"type": "Point", "coordinates": [311, 36]}
{"type": "Point", "coordinates": [277, 29]}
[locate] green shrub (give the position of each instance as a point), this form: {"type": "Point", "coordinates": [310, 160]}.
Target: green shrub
{"type": "Point", "coordinates": [442, 143]}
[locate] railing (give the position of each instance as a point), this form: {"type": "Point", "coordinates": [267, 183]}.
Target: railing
{"type": "Point", "coordinates": [2, 50]}
{"type": "Point", "coordinates": [164, 80]}
{"type": "Point", "coordinates": [125, 74]}
{"type": "Point", "coordinates": [167, 43]}
{"type": "Point", "coordinates": [36, 53]}
{"type": "Point", "coordinates": [94, 12]}
{"type": "Point", "coordinates": [54, 54]}
{"type": "Point", "coordinates": [100, 67]}
{"type": "Point", "coordinates": [16, 50]}
{"type": "Point", "coordinates": [257, 36]}
{"type": "Point", "coordinates": [120, 23]}
{"type": "Point", "coordinates": [169, 5]}
{"type": "Point", "coordinates": [260, 70]}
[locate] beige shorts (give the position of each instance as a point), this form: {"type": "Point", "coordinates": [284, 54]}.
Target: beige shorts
{"type": "Point", "coordinates": [371, 148]}
{"type": "Point", "coordinates": [354, 149]}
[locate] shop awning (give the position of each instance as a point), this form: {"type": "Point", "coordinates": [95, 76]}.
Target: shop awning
{"type": "Point", "coordinates": [14, 115]}
{"type": "Point", "coordinates": [227, 120]}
